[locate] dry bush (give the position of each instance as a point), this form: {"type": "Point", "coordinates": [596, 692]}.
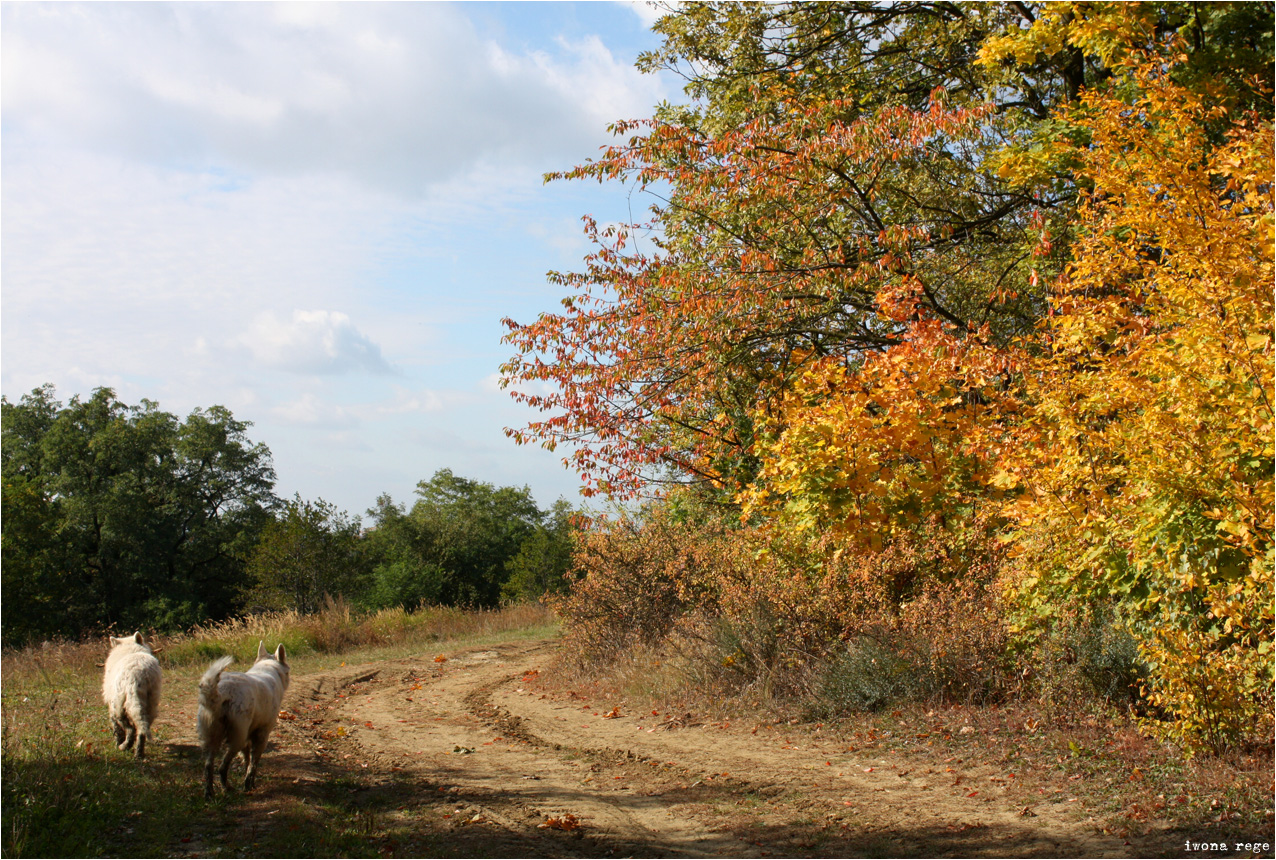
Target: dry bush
{"type": "Point", "coordinates": [1083, 657]}
{"type": "Point", "coordinates": [633, 580]}
{"type": "Point", "coordinates": [962, 639]}
{"type": "Point", "coordinates": [704, 609]}
{"type": "Point", "coordinates": [950, 644]}
{"type": "Point", "coordinates": [932, 624]}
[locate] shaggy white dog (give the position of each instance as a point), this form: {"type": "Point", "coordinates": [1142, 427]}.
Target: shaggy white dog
{"type": "Point", "coordinates": [240, 709]}
{"type": "Point", "coordinates": [131, 688]}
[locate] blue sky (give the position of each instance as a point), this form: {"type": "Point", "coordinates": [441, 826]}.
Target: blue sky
{"type": "Point", "coordinates": [313, 214]}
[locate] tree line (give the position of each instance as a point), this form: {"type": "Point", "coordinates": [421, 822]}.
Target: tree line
{"type": "Point", "coordinates": [947, 275]}
{"type": "Point", "coordinates": [118, 517]}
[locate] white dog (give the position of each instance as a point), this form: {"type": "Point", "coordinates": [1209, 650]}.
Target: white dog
{"type": "Point", "coordinates": [131, 688]}
{"type": "Point", "coordinates": [240, 708]}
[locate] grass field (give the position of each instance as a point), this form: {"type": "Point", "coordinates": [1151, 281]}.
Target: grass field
{"type": "Point", "coordinates": [68, 792]}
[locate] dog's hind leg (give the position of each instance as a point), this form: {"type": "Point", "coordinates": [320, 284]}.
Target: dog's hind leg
{"type": "Point", "coordinates": [118, 729]}
{"type": "Point", "coordinates": [208, 773]}
{"type": "Point", "coordinates": [130, 733]}
{"type": "Point", "coordinates": [225, 768]}
{"type": "Point", "coordinates": [142, 718]}
{"type": "Point", "coordinates": [236, 740]}
{"type": "Point", "coordinates": [210, 741]}
{"type": "Point", "coordinates": [258, 742]}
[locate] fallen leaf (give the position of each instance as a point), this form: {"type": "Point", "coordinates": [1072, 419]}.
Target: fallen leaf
{"type": "Point", "coordinates": [566, 821]}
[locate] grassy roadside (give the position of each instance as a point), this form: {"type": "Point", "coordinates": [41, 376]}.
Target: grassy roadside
{"type": "Point", "coordinates": [68, 792]}
{"type": "Point", "coordinates": [1086, 757]}
{"type": "Point", "coordinates": [1119, 781]}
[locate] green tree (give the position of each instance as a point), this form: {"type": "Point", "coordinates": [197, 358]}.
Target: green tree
{"type": "Point", "coordinates": [311, 551]}
{"type": "Point", "coordinates": [403, 571]}
{"type": "Point", "coordinates": [453, 547]}
{"type": "Point", "coordinates": [124, 515]}
{"type": "Point", "coordinates": [540, 566]}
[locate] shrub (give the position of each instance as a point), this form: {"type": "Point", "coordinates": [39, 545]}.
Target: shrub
{"type": "Point", "coordinates": [744, 611]}
{"type": "Point", "coordinates": [633, 579]}
{"type": "Point", "coordinates": [867, 676]}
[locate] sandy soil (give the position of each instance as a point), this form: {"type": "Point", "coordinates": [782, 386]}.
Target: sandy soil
{"type": "Point", "coordinates": [469, 757]}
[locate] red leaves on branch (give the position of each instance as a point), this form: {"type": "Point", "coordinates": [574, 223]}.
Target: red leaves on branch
{"type": "Point", "coordinates": [775, 247]}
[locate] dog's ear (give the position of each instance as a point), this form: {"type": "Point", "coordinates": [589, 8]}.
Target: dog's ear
{"type": "Point", "coordinates": [281, 655]}
{"type": "Point", "coordinates": [261, 649]}
{"type": "Point", "coordinates": [114, 641]}
{"type": "Point", "coordinates": [137, 637]}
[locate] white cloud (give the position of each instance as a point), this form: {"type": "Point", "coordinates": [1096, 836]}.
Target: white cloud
{"type": "Point", "coordinates": [313, 342]}
{"type": "Point", "coordinates": [345, 442]}
{"type": "Point", "coordinates": [178, 178]}
{"type": "Point", "coordinates": [310, 411]}
{"type": "Point", "coordinates": [401, 96]}
{"type": "Point", "coordinates": [407, 402]}
{"type": "Point", "coordinates": [649, 12]}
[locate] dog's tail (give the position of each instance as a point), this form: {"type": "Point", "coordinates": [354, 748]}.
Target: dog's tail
{"type": "Point", "coordinates": [209, 697]}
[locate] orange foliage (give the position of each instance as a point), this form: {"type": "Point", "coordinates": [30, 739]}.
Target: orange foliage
{"type": "Point", "coordinates": [814, 333]}
{"type": "Point", "coordinates": [915, 432]}
{"type": "Point", "coordinates": [772, 254]}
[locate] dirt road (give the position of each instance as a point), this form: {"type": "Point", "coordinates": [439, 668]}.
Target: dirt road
{"type": "Point", "coordinates": [469, 757]}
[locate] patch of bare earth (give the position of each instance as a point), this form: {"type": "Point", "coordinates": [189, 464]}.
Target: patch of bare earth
{"type": "Point", "coordinates": [469, 757]}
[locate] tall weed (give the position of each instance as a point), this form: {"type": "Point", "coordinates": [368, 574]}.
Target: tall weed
{"type": "Point", "coordinates": [338, 627]}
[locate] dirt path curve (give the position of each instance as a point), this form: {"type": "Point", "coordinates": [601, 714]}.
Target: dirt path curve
{"type": "Point", "coordinates": [470, 756]}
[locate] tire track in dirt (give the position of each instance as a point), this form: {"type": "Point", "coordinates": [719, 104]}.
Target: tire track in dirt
{"type": "Point", "coordinates": [467, 757]}
{"type": "Point", "coordinates": [433, 727]}
{"type": "Point", "coordinates": [471, 741]}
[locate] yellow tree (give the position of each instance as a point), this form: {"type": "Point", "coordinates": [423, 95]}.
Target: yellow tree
{"type": "Point", "coordinates": [865, 451]}
{"type": "Point", "coordinates": [1148, 456]}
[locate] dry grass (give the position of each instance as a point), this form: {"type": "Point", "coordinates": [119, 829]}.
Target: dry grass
{"type": "Point", "coordinates": [335, 629]}
{"type": "Point", "coordinates": [68, 793]}
{"type": "Point", "coordinates": [65, 664]}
